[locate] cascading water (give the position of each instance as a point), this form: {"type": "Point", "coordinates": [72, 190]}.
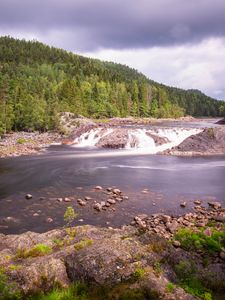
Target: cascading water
{"type": "Point", "coordinates": [138, 140]}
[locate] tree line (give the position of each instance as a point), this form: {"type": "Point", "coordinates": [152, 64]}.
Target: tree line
{"type": "Point", "coordinates": [37, 82]}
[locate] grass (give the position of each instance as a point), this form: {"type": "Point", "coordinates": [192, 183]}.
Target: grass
{"type": "Point", "coordinates": [22, 141]}
{"type": "Point", "coordinates": [189, 281]}
{"type": "Point", "coordinates": [170, 287]}
{"type": "Point", "coordinates": [139, 273]}
{"type": "Point", "coordinates": [80, 291]}
{"type": "Point", "coordinates": [83, 244]}
{"type": "Point", "coordinates": [8, 291]}
{"type": "Point", "coordinates": [192, 240]}
{"type": "Point", "coordinates": [38, 250]}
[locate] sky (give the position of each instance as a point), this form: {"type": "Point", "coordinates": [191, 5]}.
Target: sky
{"type": "Point", "coordinates": [176, 42]}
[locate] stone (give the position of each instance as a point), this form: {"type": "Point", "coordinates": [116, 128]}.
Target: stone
{"type": "Point", "coordinates": [222, 255]}
{"type": "Point", "coordinates": [81, 202]}
{"type": "Point", "coordinates": [198, 202]}
{"type": "Point", "coordinates": [116, 191]}
{"type": "Point", "coordinates": [111, 201]}
{"type": "Point", "coordinates": [29, 196]}
{"type": "Point", "coordinates": [35, 215]}
{"type": "Point", "coordinates": [49, 220]}
{"type": "Point", "coordinates": [125, 197]}
{"type": "Point", "coordinates": [97, 206]}
{"type": "Point", "coordinates": [59, 199]}
{"type": "Point", "coordinates": [119, 199]}
{"type": "Point", "coordinates": [66, 199]}
{"type": "Point", "coordinates": [176, 244]}
{"type": "Point", "coordinates": [172, 227]}
{"type": "Point", "coordinates": [109, 189]}
{"type": "Point", "coordinates": [98, 188]}
{"type": "Point", "coordinates": [42, 198]}
{"type": "Point", "coordinates": [214, 204]}
{"type": "Point", "coordinates": [183, 204]}
{"type": "Point", "coordinates": [87, 198]}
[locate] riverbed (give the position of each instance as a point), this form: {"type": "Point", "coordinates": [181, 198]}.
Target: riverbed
{"type": "Point", "coordinates": [153, 184]}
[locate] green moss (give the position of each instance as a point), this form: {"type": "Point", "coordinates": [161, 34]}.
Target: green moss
{"type": "Point", "coordinates": [23, 141]}
{"type": "Point", "coordinates": [139, 273]}
{"type": "Point", "coordinates": [198, 240]}
{"type": "Point", "coordinates": [38, 250]}
{"type": "Point", "coordinates": [170, 287]}
{"type": "Point", "coordinates": [14, 267]}
{"type": "Point", "coordinates": [8, 291]}
{"type": "Point", "coordinates": [187, 273]}
{"type": "Point", "coordinates": [83, 244]}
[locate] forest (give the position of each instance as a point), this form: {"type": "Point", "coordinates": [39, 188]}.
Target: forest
{"type": "Point", "coordinates": [37, 82]}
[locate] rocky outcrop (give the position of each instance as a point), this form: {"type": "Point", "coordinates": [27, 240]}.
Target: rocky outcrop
{"type": "Point", "coordinates": [158, 139]}
{"type": "Point", "coordinates": [117, 139]}
{"type": "Point", "coordinates": [141, 255]}
{"type": "Point", "coordinates": [210, 141]}
{"type": "Point", "coordinates": [221, 122]}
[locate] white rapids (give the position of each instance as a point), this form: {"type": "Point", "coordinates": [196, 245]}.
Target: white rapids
{"type": "Point", "coordinates": [144, 143]}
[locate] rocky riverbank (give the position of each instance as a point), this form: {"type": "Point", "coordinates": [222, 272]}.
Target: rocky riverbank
{"type": "Point", "coordinates": [26, 143]}
{"type": "Point", "coordinates": [161, 256]}
{"type": "Point", "coordinates": [211, 141]}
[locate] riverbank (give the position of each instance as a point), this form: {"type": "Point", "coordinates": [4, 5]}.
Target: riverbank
{"type": "Point", "coordinates": [133, 262]}
{"type": "Point", "coordinates": [26, 143]}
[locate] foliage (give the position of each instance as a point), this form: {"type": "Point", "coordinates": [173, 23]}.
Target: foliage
{"type": "Point", "coordinates": [38, 250]}
{"type": "Point", "coordinates": [190, 282]}
{"type": "Point", "coordinates": [83, 244]}
{"type": "Point", "coordinates": [199, 240]}
{"type": "Point", "coordinates": [8, 291]}
{"type": "Point", "coordinates": [37, 82]}
{"type": "Point", "coordinates": [139, 273]}
{"type": "Point", "coordinates": [22, 141]}
{"type": "Point", "coordinates": [69, 216]}
{"type": "Point", "coordinates": [170, 287]}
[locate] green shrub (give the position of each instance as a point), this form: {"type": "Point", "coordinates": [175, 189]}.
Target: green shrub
{"type": "Point", "coordinates": [83, 244]}
{"type": "Point", "coordinates": [170, 287]}
{"type": "Point", "coordinates": [191, 240]}
{"type": "Point", "coordinates": [22, 141]}
{"type": "Point", "coordinates": [139, 273]}
{"type": "Point", "coordinates": [8, 291]}
{"type": "Point", "coordinates": [38, 250]}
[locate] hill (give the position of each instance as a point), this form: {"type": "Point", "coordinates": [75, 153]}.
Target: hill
{"type": "Point", "coordinates": [37, 82]}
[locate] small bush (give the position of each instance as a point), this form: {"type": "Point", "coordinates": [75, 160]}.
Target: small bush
{"type": "Point", "coordinates": [8, 291]}
{"type": "Point", "coordinates": [22, 141]}
{"type": "Point", "coordinates": [38, 250]}
{"type": "Point", "coordinates": [139, 273]}
{"type": "Point", "coordinates": [83, 244]}
{"type": "Point", "coordinates": [170, 287]}
{"type": "Point", "coordinates": [191, 240]}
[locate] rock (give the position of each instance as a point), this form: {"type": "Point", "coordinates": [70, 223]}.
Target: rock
{"type": "Point", "coordinates": [172, 227]}
{"type": "Point", "coordinates": [111, 201]}
{"type": "Point", "coordinates": [222, 255]}
{"type": "Point", "coordinates": [214, 204]}
{"type": "Point", "coordinates": [87, 198]}
{"type": "Point", "coordinates": [81, 202]}
{"type": "Point", "coordinates": [59, 199]}
{"type": "Point", "coordinates": [176, 244]}
{"type": "Point", "coordinates": [66, 199]}
{"type": "Point", "coordinates": [35, 215]}
{"type": "Point", "coordinates": [98, 188]}
{"type": "Point", "coordinates": [28, 196]}
{"type": "Point", "coordinates": [145, 192]}
{"type": "Point", "coordinates": [42, 198]}
{"type": "Point", "coordinates": [119, 199]}
{"type": "Point", "coordinates": [116, 191]}
{"type": "Point", "coordinates": [183, 204]}
{"type": "Point", "coordinates": [125, 197]}
{"type": "Point", "coordinates": [109, 189]}
{"type": "Point", "coordinates": [49, 220]}
{"type": "Point", "coordinates": [198, 202]}
{"type": "Point", "coordinates": [97, 206]}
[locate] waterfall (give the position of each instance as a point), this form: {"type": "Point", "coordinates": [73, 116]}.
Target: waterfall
{"type": "Point", "coordinates": [140, 140]}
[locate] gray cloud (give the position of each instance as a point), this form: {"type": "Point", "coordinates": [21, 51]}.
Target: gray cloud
{"type": "Point", "coordinates": [92, 24]}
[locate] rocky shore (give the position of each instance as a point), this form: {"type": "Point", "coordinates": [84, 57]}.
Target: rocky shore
{"type": "Point", "coordinates": [164, 257]}
{"type": "Point", "coordinates": [209, 142]}
{"type": "Point", "coordinates": [26, 143]}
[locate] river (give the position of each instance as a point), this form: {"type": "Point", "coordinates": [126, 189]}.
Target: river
{"type": "Point", "coordinates": [65, 171]}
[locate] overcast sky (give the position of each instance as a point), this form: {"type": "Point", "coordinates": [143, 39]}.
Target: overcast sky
{"type": "Point", "coordinates": [176, 42]}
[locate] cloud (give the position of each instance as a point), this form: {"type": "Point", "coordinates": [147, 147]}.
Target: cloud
{"type": "Point", "coordinates": [199, 66]}
{"type": "Point", "coordinates": [117, 24]}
